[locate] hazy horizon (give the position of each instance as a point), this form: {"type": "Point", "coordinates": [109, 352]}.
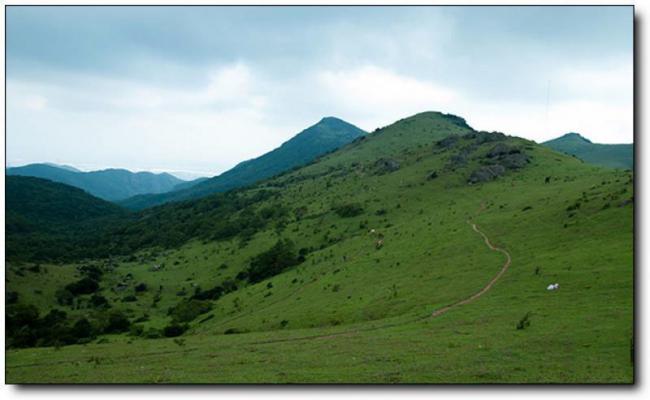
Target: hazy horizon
{"type": "Point", "coordinates": [99, 87]}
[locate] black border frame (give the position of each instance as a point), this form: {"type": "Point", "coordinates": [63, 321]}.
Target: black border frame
{"type": "Point", "coordinates": [636, 126]}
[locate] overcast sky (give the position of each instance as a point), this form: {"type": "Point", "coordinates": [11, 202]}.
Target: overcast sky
{"type": "Point", "coordinates": [202, 88]}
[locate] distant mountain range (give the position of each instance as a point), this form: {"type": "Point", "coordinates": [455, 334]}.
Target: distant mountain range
{"type": "Point", "coordinates": [327, 135]}
{"type": "Point", "coordinates": [606, 155]}
{"type": "Point", "coordinates": [108, 184]}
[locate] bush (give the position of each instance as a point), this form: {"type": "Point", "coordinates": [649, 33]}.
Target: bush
{"type": "Point", "coordinates": [136, 330]}
{"type": "Point", "coordinates": [99, 301]}
{"type": "Point", "coordinates": [272, 261]}
{"type": "Point", "coordinates": [524, 322]}
{"type": "Point", "coordinates": [175, 329]}
{"type": "Point", "coordinates": [117, 322]}
{"type": "Point", "coordinates": [153, 333]}
{"type": "Point", "coordinates": [20, 315]}
{"type": "Point", "coordinates": [141, 287]}
{"type": "Point", "coordinates": [229, 285]}
{"type": "Point", "coordinates": [574, 206]}
{"type": "Point", "coordinates": [82, 329]}
{"type": "Point", "coordinates": [349, 210]}
{"type": "Point", "coordinates": [129, 299]}
{"type": "Point", "coordinates": [64, 297]}
{"type": "Point", "coordinates": [91, 271]}
{"type": "Point", "coordinates": [83, 286]}
{"type": "Point", "coordinates": [188, 310]}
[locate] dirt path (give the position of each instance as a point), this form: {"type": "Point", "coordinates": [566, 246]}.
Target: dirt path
{"type": "Point", "coordinates": [487, 287]}
{"type": "Point", "coordinates": [435, 314]}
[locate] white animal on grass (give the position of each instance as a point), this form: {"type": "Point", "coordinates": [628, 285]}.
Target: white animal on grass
{"type": "Point", "coordinates": [553, 286]}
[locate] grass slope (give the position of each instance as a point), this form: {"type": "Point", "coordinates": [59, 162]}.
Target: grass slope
{"type": "Point", "coordinates": [605, 155]}
{"type": "Point", "coordinates": [325, 136]}
{"type": "Point", "coordinates": [356, 313]}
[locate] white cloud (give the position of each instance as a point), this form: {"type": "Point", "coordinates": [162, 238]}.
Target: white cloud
{"type": "Point", "coordinates": [378, 96]}
{"type": "Point", "coordinates": [121, 124]}
{"type": "Point", "coordinates": [238, 112]}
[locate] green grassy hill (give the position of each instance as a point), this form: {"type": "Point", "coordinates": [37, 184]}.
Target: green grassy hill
{"type": "Point", "coordinates": [109, 184]}
{"type": "Point", "coordinates": [605, 155]}
{"type": "Point", "coordinates": [327, 135]}
{"type": "Point", "coordinates": [331, 273]}
{"type": "Point", "coordinates": [40, 212]}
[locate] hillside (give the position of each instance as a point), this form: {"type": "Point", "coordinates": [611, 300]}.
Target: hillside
{"type": "Point", "coordinates": [606, 155]}
{"type": "Point", "coordinates": [325, 136]}
{"type": "Point", "coordinates": [108, 184]}
{"type": "Point", "coordinates": [418, 253]}
{"type": "Point", "coordinates": [39, 211]}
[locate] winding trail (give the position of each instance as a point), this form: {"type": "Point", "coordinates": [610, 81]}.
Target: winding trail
{"type": "Point", "coordinates": [435, 314]}
{"type": "Point", "coordinates": [487, 287]}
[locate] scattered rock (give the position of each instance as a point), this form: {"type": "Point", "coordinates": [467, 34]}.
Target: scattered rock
{"type": "Point", "coordinates": [386, 165]}
{"type": "Point", "coordinates": [487, 173]}
{"type": "Point", "coordinates": [432, 175]}
{"type": "Point", "coordinates": [485, 137]}
{"type": "Point", "coordinates": [459, 159]}
{"type": "Point", "coordinates": [501, 149]}
{"type": "Point", "coordinates": [448, 142]}
{"type": "Point", "coordinates": [514, 161]}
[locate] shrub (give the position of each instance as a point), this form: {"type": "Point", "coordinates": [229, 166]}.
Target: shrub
{"type": "Point", "coordinates": [188, 310]}
{"type": "Point", "coordinates": [83, 286]}
{"type": "Point", "coordinates": [117, 322]}
{"type": "Point", "coordinates": [210, 294]}
{"type": "Point", "coordinates": [82, 329]}
{"type": "Point", "coordinates": [174, 329]}
{"type": "Point", "coordinates": [129, 299]}
{"type": "Point", "coordinates": [153, 333]}
{"type": "Point", "coordinates": [19, 315]}
{"type": "Point", "coordinates": [99, 301]}
{"type": "Point", "coordinates": [242, 276]}
{"type": "Point", "coordinates": [92, 271]}
{"type": "Point", "coordinates": [574, 206]}
{"type": "Point", "coordinates": [136, 330]}
{"type": "Point", "coordinates": [64, 297]}
{"type": "Point", "coordinates": [141, 287]}
{"type": "Point", "coordinates": [229, 285]}
{"type": "Point", "coordinates": [273, 261]}
{"type": "Point", "coordinates": [524, 322]}
{"type": "Point", "coordinates": [349, 210]}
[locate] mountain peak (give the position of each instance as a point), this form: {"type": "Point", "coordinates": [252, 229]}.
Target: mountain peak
{"type": "Point", "coordinates": [437, 115]}
{"type": "Point", "coordinates": [330, 119]}
{"type": "Point", "coordinates": [334, 122]}
{"type": "Point", "coordinates": [575, 136]}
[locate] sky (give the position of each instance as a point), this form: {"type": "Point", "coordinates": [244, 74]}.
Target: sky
{"type": "Point", "coordinates": [196, 90]}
